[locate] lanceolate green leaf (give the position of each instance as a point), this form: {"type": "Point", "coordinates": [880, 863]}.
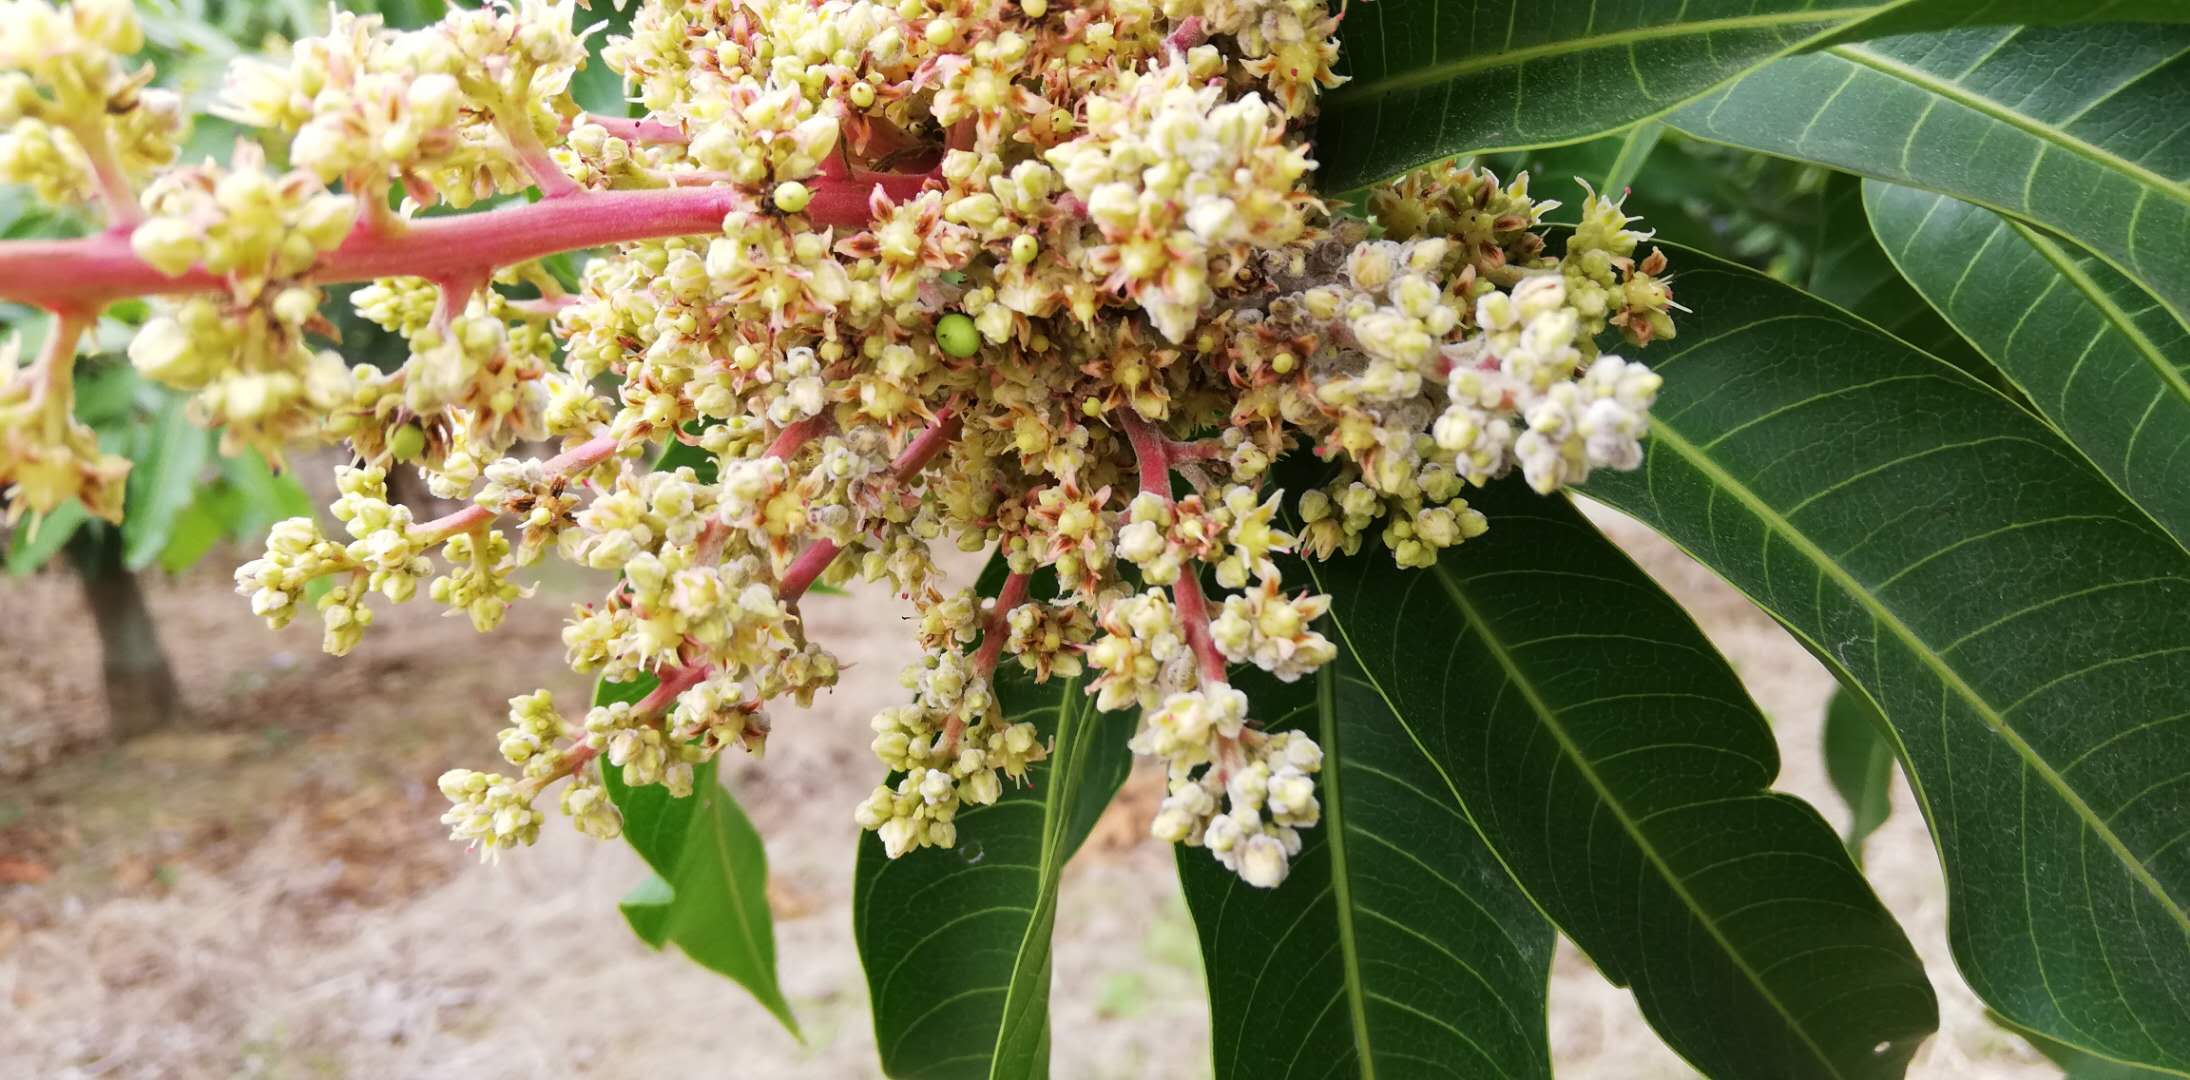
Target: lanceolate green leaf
{"type": "Point", "coordinates": [1398, 946]}
{"type": "Point", "coordinates": [1859, 762]}
{"type": "Point", "coordinates": [1851, 269]}
{"type": "Point", "coordinates": [164, 480]}
{"type": "Point", "coordinates": [2019, 624]}
{"type": "Point", "coordinates": [2099, 357]}
{"type": "Point", "coordinates": [1432, 78]}
{"type": "Point", "coordinates": [1618, 769]}
{"type": "Point", "coordinates": [266, 496]}
{"type": "Point", "coordinates": [2079, 129]}
{"type": "Point", "coordinates": [36, 538]}
{"type": "Point", "coordinates": [1925, 15]}
{"type": "Point", "coordinates": [709, 889]}
{"type": "Point", "coordinates": [956, 942]}
{"type": "Point", "coordinates": [708, 893]}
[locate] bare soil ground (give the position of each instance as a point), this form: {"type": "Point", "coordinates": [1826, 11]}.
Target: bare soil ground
{"type": "Point", "coordinates": [265, 892]}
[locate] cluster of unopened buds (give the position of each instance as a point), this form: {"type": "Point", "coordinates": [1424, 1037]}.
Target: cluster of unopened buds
{"type": "Point", "coordinates": [878, 276]}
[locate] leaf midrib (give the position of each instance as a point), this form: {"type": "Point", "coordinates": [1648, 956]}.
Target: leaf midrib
{"type": "Point", "coordinates": [1978, 103]}
{"type": "Point", "coordinates": [1352, 92]}
{"type": "Point", "coordinates": [1055, 819]}
{"type": "Point", "coordinates": [1948, 677]}
{"type": "Point", "coordinates": [1357, 1006]}
{"type": "Point", "coordinates": [2111, 311]}
{"type": "Point", "coordinates": [1549, 718]}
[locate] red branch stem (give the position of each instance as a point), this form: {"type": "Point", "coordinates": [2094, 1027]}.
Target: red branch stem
{"type": "Point", "coordinates": [1194, 615]}
{"type": "Point", "coordinates": [672, 682]}
{"type": "Point", "coordinates": [92, 271]}
{"type": "Point", "coordinates": [796, 435]}
{"type": "Point", "coordinates": [116, 194]}
{"type": "Point", "coordinates": [516, 126]}
{"type": "Point", "coordinates": [1152, 453]}
{"type": "Point", "coordinates": [808, 567]}
{"type": "Point", "coordinates": [1010, 596]}
{"type": "Point", "coordinates": [1013, 594]}
{"type": "Point", "coordinates": [568, 463]}
{"type": "Point", "coordinates": [637, 131]}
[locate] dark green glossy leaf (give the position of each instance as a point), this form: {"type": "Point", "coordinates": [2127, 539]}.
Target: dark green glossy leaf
{"type": "Point", "coordinates": [1761, 211]}
{"type": "Point", "coordinates": [1432, 79]}
{"type": "Point", "coordinates": [1850, 269]}
{"type": "Point", "coordinates": [1617, 767]}
{"type": "Point", "coordinates": [2018, 623]}
{"type": "Point", "coordinates": [596, 87]}
{"type": "Point", "coordinates": [163, 480]}
{"type": "Point", "coordinates": [107, 394]}
{"type": "Point", "coordinates": [2076, 128]}
{"type": "Point", "coordinates": [1926, 15]}
{"type": "Point", "coordinates": [708, 893]}
{"type": "Point", "coordinates": [956, 942]}
{"type": "Point", "coordinates": [1859, 762]}
{"type": "Point", "coordinates": [2078, 1065]}
{"type": "Point", "coordinates": [2096, 355]}
{"type": "Point", "coordinates": [1397, 946]}
{"type": "Point", "coordinates": [1609, 164]}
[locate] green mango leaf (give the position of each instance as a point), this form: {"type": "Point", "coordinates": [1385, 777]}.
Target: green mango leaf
{"type": "Point", "coordinates": [200, 526]}
{"type": "Point", "coordinates": [1615, 764]}
{"type": "Point", "coordinates": [2078, 1065]}
{"type": "Point", "coordinates": [1761, 211]}
{"type": "Point", "coordinates": [1609, 164]}
{"type": "Point", "coordinates": [1398, 945]}
{"type": "Point", "coordinates": [596, 87]}
{"type": "Point", "coordinates": [1851, 269]}
{"type": "Point", "coordinates": [1859, 762]}
{"type": "Point", "coordinates": [265, 497]}
{"type": "Point", "coordinates": [709, 889]}
{"type": "Point", "coordinates": [956, 942]}
{"type": "Point", "coordinates": [37, 538]}
{"type": "Point", "coordinates": [1431, 80]}
{"type": "Point", "coordinates": [2096, 355]}
{"type": "Point", "coordinates": [2018, 623]}
{"type": "Point", "coordinates": [708, 894]}
{"type": "Point", "coordinates": [163, 481]}
{"type": "Point", "coordinates": [2066, 127]}
{"type": "Point", "coordinates": [106, 394]}
{"type": "Point", "coordinates": [1926, 15]}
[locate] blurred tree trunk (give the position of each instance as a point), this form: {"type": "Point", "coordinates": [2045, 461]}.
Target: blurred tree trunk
{"type": "Point", "coordinates": [141, 695]}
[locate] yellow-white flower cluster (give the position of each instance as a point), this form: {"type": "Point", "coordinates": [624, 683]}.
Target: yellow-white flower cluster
{"type": "Point", "coordinates": [991, 273]}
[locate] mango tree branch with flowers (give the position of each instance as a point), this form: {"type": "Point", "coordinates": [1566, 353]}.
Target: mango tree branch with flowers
{"type": "Point", "coordinates": [1281, 474]}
